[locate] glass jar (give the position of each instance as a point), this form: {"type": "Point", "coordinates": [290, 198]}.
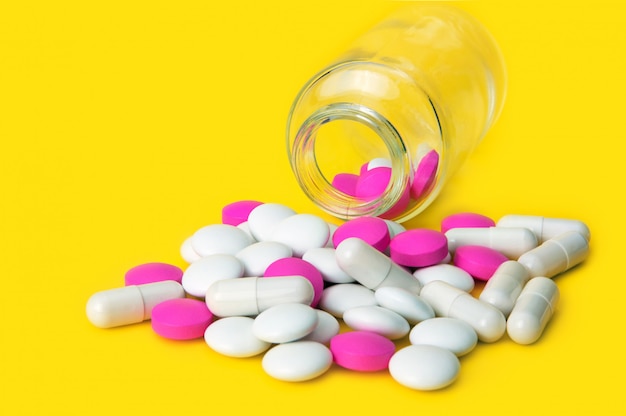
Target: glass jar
{"type": "Point", "coordinates": [380, 130]}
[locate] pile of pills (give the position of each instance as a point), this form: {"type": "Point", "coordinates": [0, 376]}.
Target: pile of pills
{"type": "Point", "coordinates": [270, 281]}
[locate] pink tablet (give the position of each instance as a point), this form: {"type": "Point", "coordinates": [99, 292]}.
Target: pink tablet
{"type": "Point", "coordinates": [480, 262]}
{"type": "Point", "coordinates": [466, 220]}
{"type": "Point", "coordinates": [237, 212]}
{"type": "Point", "coordinates": [346, 183]}
{"type": "Point", "coordinates": [151, 273]}
{"type": "Point", "coordinates": [293, 266]}
{"type": "Point", "coordinates": [181, 319]}
{"type": "Point", "coordinates": [372, 183]}
{"type": "Point", "coordinates": [419, 247]}
{"type": "Point", "coordinates": [425, 174]}
{"type": "Point", "coordinates": [372, 230]}
{"type": "Point", "coordinates": [362, 350]}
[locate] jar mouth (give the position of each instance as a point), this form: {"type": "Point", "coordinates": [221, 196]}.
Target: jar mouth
{"type": "Point", "coordinates": [319, 187]}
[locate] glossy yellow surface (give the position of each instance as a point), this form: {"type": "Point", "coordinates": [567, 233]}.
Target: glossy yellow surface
{"type": "Point", "coordinates": [125, 126]}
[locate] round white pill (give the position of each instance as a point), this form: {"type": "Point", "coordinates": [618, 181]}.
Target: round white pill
{"type": "Point", "coordinates": [325, 261]}
{"type": "Point", "coordinates": [202, 273]}
{"type": "Point", "coordinates": [454, 276]}
{"type": "Point", "coordinates": [377, 319]}
{"type": "Point", "coordinates": [263, 219]}
{"type": "Point", "coordinates": [449, 333]}
{"type": "Point", "coordinates": [297, 361]}
{"type": "Point", "coordinates": [404, 302]}
{"type": "Point", "coordinates": [233, 337]}
{"type": "Point", "coordinates": [339, 298]}
{"type": "Point", "coordinates": [285, 323]}
{"type": "Point", "coordinates": [258, 256]}
{"type": "Point", "coordinates": [187, 252]}
{"type": "Point", "coordinates": [327, 327]}
{"type": "Point", "coordinates": [246, 228]}
{"type": "Point", "coordinates": [301, 232]}
{"type": "Point", "coordinates": [424, 367]}
{"type": "Point", "coordinates": [219, 239]}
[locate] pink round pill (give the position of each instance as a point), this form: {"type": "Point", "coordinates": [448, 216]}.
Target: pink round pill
{"type": "Point", "coordinates": [237, 212]}
{"type": "Point", "coordinates": [466, 220]}
{"type": "Point", "coordinates": [480, 262]}
{"type": "Point", "coordinates": [425, 174]}
{"type": "Point", "coordinates": [151, 273]}
{"type": "Point", "coordinates": [346, 183]}
{"type": "Point", "coordinates": [181, 319]}
{"type": "Point", "coordinates": [293, 266]}
{"type": "Point", "coordinates": [372, 183]}
{"type": "Point", "coordinates": [419, 247]}
{"type": "Point", "coordinates": [362, 350]}
{"type": "Point", "coordinates": [372, 230]}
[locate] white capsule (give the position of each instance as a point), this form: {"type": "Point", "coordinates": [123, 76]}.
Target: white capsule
{"type": "Point", "coordinates": [449, 301]}
{"type": "Point", "coordinates": [512, 242]}
{"type": "Point", "coordinates": [249, 296]}
{"type": "Point", "coordinates": [505, 285]}
{"type": "Point", "coordinates": [372, 268]}
{"type": "Point", "coordinates": [130, 304]}
{"type": "Point", "coordinates": [533, 310]}
{"type": "Point", "coordinates": [545, 228]}
{"type": "Point", "coordinates": [556, 255]}
{"type": "Point", "coordinates": [449, 273]}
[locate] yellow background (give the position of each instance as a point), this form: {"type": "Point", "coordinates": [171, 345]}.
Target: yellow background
{"type": "Point", "coordinates": [125, 126]}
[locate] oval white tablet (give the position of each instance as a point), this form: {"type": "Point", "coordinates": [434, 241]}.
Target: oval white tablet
{"type": "Point", "coordinates": [233, 337]}
{"type": "Point", "coordinates": [202, 273]}
{"type": "Point", "coordinates": [219, 239]}
{"type": "Point", "coordinates": [258, 256]}
{"type": "Point", "coordinates": [187, 252]}
{"type": "Point", "coordinates": [377, 319]}
{"type": "Point", "coordinates": [331, 228]}
{"type": "Point", "coordinates": [301, 232]}
{"type": "Point", "coordinates": [246, 228]}
{"type": "Point", "coordinates": [404, 302]}
{"type": "Point", "coordinates": [339, 298]}
{"type": "Point", "coordinates": [324, 260]}
{"type": "Point", "coordinates": [424, 367]}
{"type": "Point", "coordinates": [285, 323]}
{"type": "Point", "coordinates": [297, 361]}
{"type": "Point", "coordinates": [263, 219]}
{"type": "Point", "coordinates": [454, 276]}
{"type": "Point", "coordinates": [452, 334]}
{"type": "Point", "coordinates": [326, 328]}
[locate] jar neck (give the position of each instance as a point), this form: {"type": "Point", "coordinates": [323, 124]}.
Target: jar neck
{"type": "Point", "coordinates": [317, 185]}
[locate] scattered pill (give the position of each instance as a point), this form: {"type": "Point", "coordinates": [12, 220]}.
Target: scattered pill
{"type": "Point", "coordinates": [424, 367]}
{"type": "Point", "coordinates": [201, 274]}
{"type": "Point", "coordinates": [181, 319]}
{"type": "Point", "coordinates": [450, 302]}
{"type": "Point", "coordinates": [219, 239]}
{"type": "Point", "coordinates": [465, 220]}
{"type": "Point", "coordinates": [297, 361]}
{"type": "Point", "coordinates": [512, 242]}
{"type": "Point", "coordinates": [377, 319]}
{"type": "Point", "coordinates": [372, 230]}
{"type": "Point", "coordinates": [545, 228]}
{"type": "Point", "coordinates": [419, 247]}
{"type": "Point", "coordinates": [394, 227]}
{"type": "Point", "coordinates": [378, 162]}
{"type": "Point", "coordinates": [533, 310]}
{"type": "Point", "coordinates": [449, 273]}
{"type": "Point", "coordinates": [406, 303]}
{"type": "Point", "coordinates": [480, 262]}
{"type": "Point", "coordinates": [337, 299]}
{"type": "Point", "coordinates": [249, 296]}
{"type": "Point", "coordinates": [130, 304]}
{"type": "Point", "coordinates": [246, 228]}
{"type": "Point", "coordinates": [151, 273]}
{"type": "Point", "coordinates": [285, 323]}
{"type": "Point", "coordinates": [187, 252]}
{"type": "Point", "coordinates": [504, 287]}
{"type": "Point", "coordinates": [232, 336]}
{"type": "Point", "coordinates": [293, 266]}
{"type": "Point", "coordinates": [372, 268]}
{"type": "Point", "coordinates": [346, 183]}
{"type": "Point", "coordinates": [326, 328]}
{"type": "Point", "coordinates": [372, 183]}
{"type": "Point", "coordinates": [237, 212]}
{"type": "Point", "coordinates": [425, 174]}
{"type": "Point", "coordinates": [302, 232]}
{"type": "Point", "coordinates": [362, 351]}
{"type": "Point", "coordinates": [257, 257]}
{"type": "Point", "coordinates": [556, 255]}
{"type": "Point", "coordinates": [449, 333]}
{"type": "Point", "coordinates": [325, 261]}
{"type": "Point", "coordinates": [263, 219]}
